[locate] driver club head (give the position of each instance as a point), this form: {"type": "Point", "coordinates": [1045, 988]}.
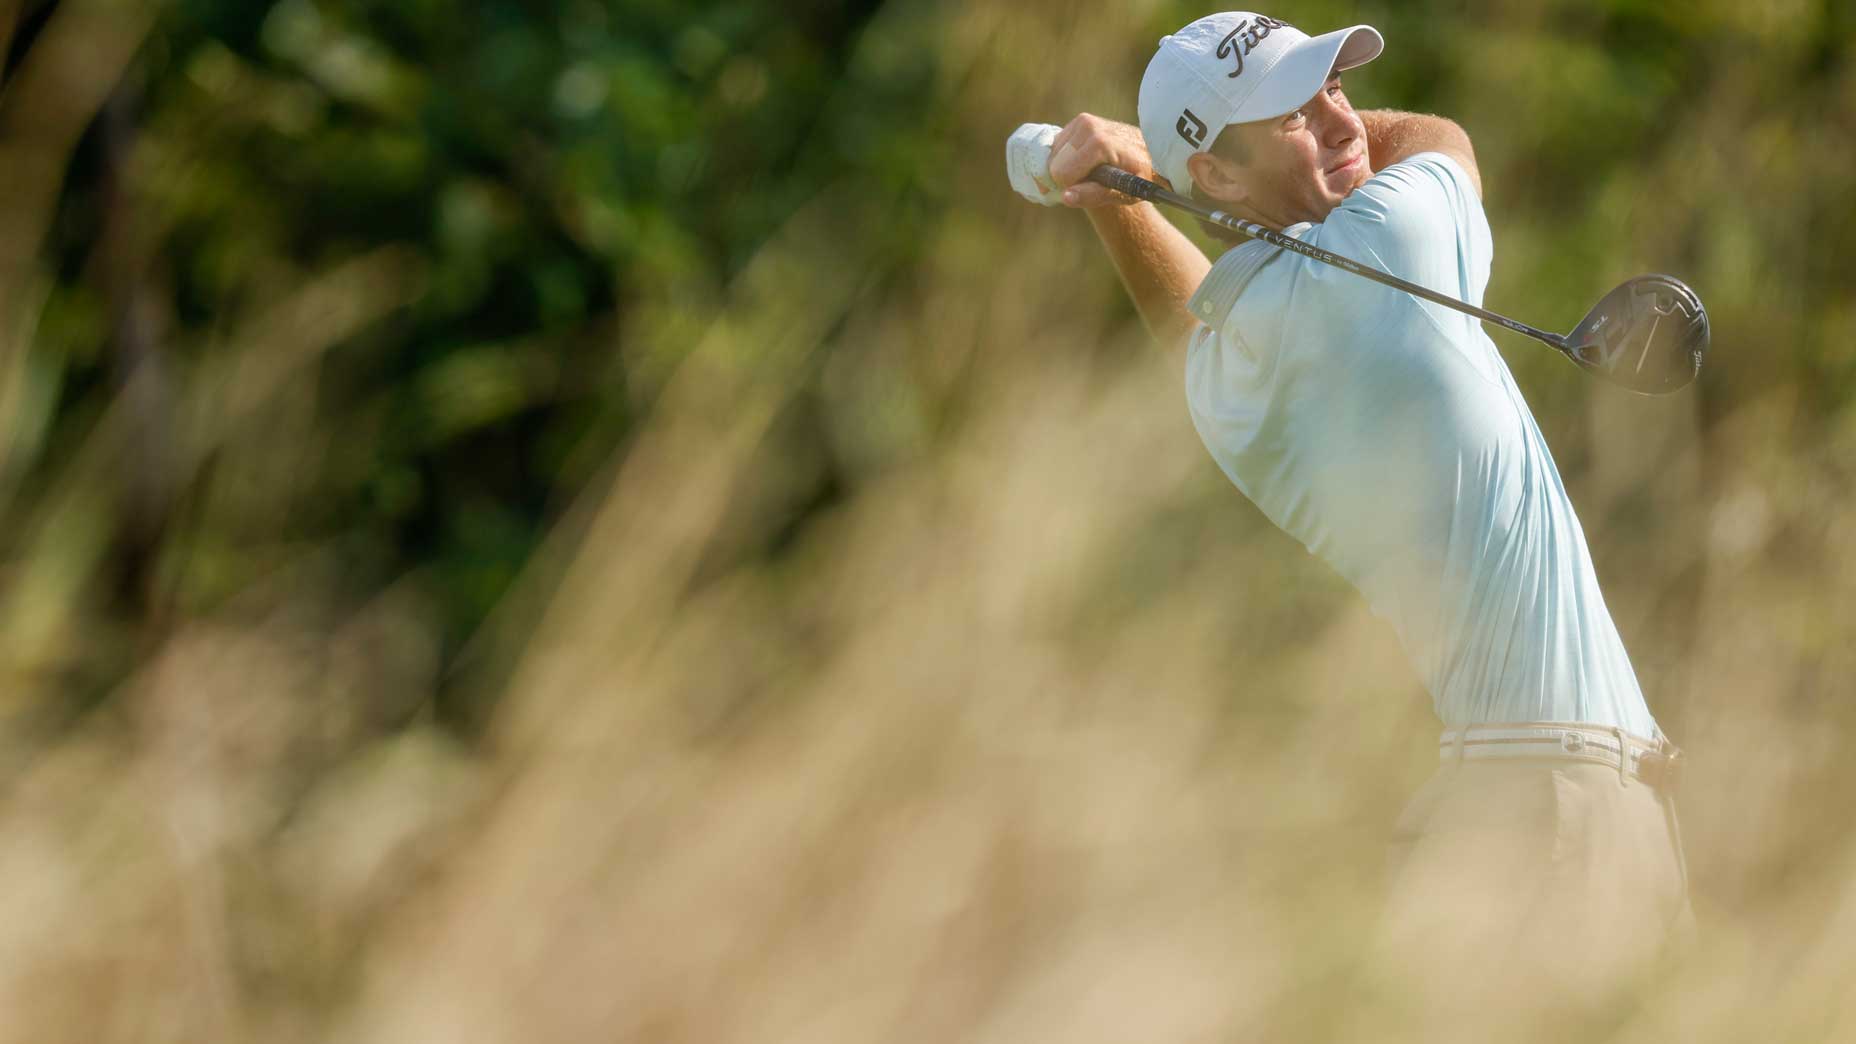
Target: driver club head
{"type": "Point", "coordinates": [1648, 335]}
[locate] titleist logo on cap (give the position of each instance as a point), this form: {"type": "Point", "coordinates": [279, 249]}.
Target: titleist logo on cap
{"type": "Point", "coordinates": [1254, 31]}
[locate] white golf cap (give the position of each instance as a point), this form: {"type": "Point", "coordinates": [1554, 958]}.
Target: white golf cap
{"type": "Point", "coordinates": [1236, 67]}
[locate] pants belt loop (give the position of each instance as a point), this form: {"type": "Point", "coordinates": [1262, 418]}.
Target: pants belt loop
{"type": "Point", "coordinates": [1462, 740]}
{"type": "Point", "coordinates": [1623, 755]}
{"type": "Point", "coordinates": [1669, 813]}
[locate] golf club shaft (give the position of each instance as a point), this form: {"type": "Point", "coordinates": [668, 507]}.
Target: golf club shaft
{"type": "Point", "coordinates": [1140, 188]}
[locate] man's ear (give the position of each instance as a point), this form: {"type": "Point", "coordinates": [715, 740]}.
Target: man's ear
{"type": "Point", "coordinates": [1217, 177]}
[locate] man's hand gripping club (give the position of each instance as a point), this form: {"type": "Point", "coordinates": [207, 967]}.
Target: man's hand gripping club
{"type": "Point", "coordinates": [1051, 165]}
{"type": "Point", "coordinates": [1159, 266]}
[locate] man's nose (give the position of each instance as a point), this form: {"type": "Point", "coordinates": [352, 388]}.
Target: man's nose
{"type": "Point", "coordinates": [1334, 121]}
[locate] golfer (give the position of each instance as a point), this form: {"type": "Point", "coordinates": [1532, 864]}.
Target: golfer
{"type": "Point", "coordinates": [1387, 435]}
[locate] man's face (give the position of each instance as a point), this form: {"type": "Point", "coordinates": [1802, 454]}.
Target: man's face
{"type": "Point", "coordinates": [1302, 165]}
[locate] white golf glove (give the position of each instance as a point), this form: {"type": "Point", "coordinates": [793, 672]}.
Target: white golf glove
{"type": "Point", "coordinates": [1027, 163]}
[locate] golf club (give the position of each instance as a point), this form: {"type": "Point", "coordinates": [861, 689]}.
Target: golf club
{"type": "Point", "coordinates": [1648, 334]}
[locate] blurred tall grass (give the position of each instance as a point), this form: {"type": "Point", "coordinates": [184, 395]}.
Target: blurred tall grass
{"type": "Point", "coordinates": [611, 522]}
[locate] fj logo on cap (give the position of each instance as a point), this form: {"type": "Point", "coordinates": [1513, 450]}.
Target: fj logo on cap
{"type": "Point", "coordinates": [1191, 128]}
{"type": "Point", "coordinates": [1254, 32]}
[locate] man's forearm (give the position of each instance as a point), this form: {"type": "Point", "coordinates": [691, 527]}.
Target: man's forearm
{"type": "Point", "coordinates": [1392, 136]}
{"type": "Point", "coordinates": [1157, 263]}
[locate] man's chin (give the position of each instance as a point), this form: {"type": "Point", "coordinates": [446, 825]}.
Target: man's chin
{"type": "Point", "coordinates": [1336, 198]}
{"type": "Point", "coordinates": [1353, 179]}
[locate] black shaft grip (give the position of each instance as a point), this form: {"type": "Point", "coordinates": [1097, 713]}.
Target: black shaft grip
{"type": "Point", "coordinates": [1122, 181]}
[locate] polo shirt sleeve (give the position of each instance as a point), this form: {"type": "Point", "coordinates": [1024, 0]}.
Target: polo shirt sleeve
{"type": "Point", "coordinates": [1419, 219]}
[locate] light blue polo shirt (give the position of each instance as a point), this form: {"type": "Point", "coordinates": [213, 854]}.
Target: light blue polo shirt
{"type": "Point", "coordinates": [1387, 435]}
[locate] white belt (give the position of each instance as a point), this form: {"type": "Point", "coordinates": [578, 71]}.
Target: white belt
{"type": "Point", "coordinates": [1656, 762]}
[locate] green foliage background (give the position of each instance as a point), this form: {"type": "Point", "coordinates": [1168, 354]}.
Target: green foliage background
{"type": "Point", "coordinates": [451, 369]}
{"type": "Point", "coordinates": [573, 187]}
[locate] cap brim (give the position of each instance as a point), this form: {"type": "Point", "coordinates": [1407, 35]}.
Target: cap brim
{"type": "Point", "coordinates": [1299, 74]}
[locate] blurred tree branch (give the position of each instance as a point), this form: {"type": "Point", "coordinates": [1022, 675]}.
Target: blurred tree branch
{"type": "Point", "coordinates": [69, 70]}
{"type": "Point", "coordinates": [9, 18]}
{"type": "Point", "coordinates": [72, 66]}
{"type": "Point", "coordinates": [139, 323]}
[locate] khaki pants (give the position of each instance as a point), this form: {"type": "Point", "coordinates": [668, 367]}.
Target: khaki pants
{"type": "Point", "coordinates": [1528, 886]}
